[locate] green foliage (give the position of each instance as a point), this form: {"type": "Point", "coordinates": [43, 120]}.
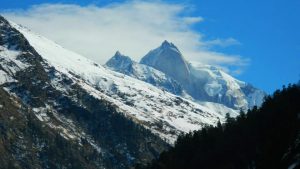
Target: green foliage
{"type": "Point", "coordinates": [262, 138]}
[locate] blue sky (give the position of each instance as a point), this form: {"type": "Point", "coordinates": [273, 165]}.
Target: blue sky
{"type": "Point", "coordinates": [266, 34]}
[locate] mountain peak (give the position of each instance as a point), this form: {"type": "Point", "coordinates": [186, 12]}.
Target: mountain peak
{"type": "Point", "coordinates": [167, 50]}
{"type": "Point", "coordinates": [118, 53]}
{"type": "Point", "coordinates": [166, 44]}
{"type": "Point", "coordinates": [119, 60]}
{"type": "Point", "coordinates": [168, 59]}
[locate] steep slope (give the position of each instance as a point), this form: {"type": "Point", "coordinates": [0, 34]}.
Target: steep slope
{"type": "Point", "coordinates": [203, 82]}
{"type": "Point", "coordinates": [124, 64]}
{"type": "Point", "coordinates": [48, 119]}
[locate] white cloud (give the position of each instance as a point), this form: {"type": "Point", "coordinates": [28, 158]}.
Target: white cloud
{"type": "Point", "coordinates": [223, 42]}
{"type": "Point", "coordinates": [133, 27]}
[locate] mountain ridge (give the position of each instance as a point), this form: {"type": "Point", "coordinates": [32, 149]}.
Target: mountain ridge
{"type": "Point", "coordinates": [198, 82]}
{"type": "Point", "coordinates": [126, 65]}
{"type": "Point", "coordinates": [203, 82]}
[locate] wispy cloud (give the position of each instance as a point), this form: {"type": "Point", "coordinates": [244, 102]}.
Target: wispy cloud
{"type": "Point", "coordinates": [133, 27]}
{"type": "Point", "coordinates": [223, 42]}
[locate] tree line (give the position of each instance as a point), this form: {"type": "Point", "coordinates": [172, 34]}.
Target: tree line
{"type": "Point", "coordinates": [262, 138]}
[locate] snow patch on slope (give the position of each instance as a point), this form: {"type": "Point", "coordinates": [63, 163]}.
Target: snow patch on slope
{"type": "Point", "coordinates": [4, 78]}
{"type": "Point", "coordinates": [10, 65]}
{"type": "Point", "coordinates": [65, 126]}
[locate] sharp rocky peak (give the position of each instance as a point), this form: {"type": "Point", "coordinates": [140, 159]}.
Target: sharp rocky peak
{"type": "Point", "coordinates": [120, 57]}
{"type": "Point", "coordinates": [168, 59]}
{"type": "Point", "coordinates": [118, 53]}
{"type": "Point", "coordinates": [119, 61]}
{"type": "Point", "coordinates": [167, 44]}
{"type": "Point", "coordinates": [167, 50]}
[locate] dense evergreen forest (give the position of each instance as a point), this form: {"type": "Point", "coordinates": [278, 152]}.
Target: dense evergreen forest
{"type": "Point", "coordinates": [263, 138]}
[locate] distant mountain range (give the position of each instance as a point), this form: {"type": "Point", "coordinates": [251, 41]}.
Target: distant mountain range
{"type": "Point", "coordinates": [165, 67]}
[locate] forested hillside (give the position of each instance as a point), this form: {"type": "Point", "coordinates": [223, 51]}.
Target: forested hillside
{"type": "Point", "coordinates": [263, 138]}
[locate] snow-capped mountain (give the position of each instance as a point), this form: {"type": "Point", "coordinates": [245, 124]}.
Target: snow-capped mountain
{"type": "Point", "coordinates": [203, 82]}
{"type": "Point", "coordinates": [63, 102]}
{"type": "Point", "coordinates": [124, 64]}
{"type": "Point", "coordinates": [168, 59]}
{"type": "Point", "coordinates": [164, 113]}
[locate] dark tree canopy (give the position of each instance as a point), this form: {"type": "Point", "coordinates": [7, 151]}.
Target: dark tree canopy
{"type": "Point", "coordinates": [263, 138]}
